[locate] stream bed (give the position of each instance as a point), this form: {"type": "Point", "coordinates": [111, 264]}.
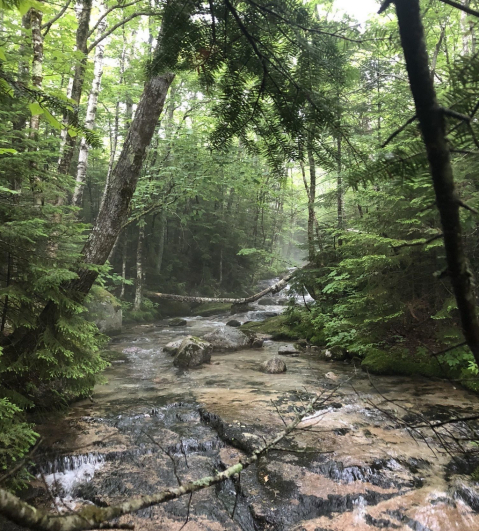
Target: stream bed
{"type": "Point", "coordinates": [352, 465]}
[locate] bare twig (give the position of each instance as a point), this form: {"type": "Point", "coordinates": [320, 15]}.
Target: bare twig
{"type": "Point", "coordinates": [398, 131]}
{"type": "Point", "coordinates": [92, 517]}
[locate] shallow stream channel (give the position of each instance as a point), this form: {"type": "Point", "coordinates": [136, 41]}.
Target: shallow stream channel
{"type": "Point", "coordinates": [353, 464]}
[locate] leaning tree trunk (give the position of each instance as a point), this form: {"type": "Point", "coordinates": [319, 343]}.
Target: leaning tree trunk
{"type": "Point", "coordinates": [112, 215]}
{"type": "Point", "coordinates": [89, 120]}
{"type": "Point", "coordinates": [431, 120]}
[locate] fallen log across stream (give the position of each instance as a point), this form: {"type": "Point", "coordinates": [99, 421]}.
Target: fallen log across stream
{"type": "Point", "coordinates": [275, 288]}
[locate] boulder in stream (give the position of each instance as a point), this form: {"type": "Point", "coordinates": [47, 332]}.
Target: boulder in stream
{"type": "Point", "coordinates": [173, 347]}
{"type": "Point", "coordinates": [228, 338]}
{"type": "Point", "coordinates": [288, 350]}
{"type": "Point", "coordinates": [177, 321]}
{"type": "Point", "coordinates": [234, 323]}
{"type": "Point", "coordinates": [193, 352]}
{"type": "Point", "coordinates": [274, 366]}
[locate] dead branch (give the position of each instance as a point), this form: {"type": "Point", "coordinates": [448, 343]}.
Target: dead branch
{"type": "Point", "coordinates": [399, 130]}
{"type": "Point", "coordinates": [94, 517]}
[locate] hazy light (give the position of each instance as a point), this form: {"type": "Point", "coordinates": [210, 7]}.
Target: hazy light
{"type": "Point", "coordinates": [361, 10]}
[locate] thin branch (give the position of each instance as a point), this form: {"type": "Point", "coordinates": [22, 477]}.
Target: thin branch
{"type": "Point", "coordinates": [461, 7]}
{"type": "Point", "coordinates": [92, 517]}
{"type": "Point", "coordinates": [461, 203]}
{"type": "Point", "coordinates": [49, 24]}
{"type": "Point", "coordinates": [116, 26]}
{"type": "Point", "coordinates": [414, 244]}
{"type": "Point", "coordinates": [384, 6]}
{"type": "Point", "coordinates": [398, 131]}
{"type": "Point", "coordinates": [107, 12]}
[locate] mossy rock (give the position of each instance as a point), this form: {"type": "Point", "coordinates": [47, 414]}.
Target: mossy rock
{"type": "Point", "coordinates": [401, 362]}
{"type": "Point", "coordinates": [211, 308]}
{"type": "Point", "coordinates": [277, 327]}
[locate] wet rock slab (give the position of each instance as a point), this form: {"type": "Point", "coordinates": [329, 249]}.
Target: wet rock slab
{"type": "Point", "coordinates": [350, 466]}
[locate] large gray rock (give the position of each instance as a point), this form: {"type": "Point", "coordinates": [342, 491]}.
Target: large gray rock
{"type": "Point", "coordinates": [173, 347]}
{"type": "Point", "coordinates": [228, 338]}
{"type": "Point", "coordinates": [105, 311]}
{"type": "Point", "coordinates": [288, 350]}
{"type": "Point", "coordinates": [274, 366]}
{"type": "Point", "coordinates": [193, 352]}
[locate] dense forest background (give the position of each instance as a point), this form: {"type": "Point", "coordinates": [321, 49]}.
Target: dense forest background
{"type": "Point", "coordinates": [288, 136]}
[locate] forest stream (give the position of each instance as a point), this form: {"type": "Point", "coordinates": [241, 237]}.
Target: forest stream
{"type": "Point", "coordinates": [354, 468]}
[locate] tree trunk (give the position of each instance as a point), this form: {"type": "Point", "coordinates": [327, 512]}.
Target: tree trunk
{"type": "Point", "coordinates": [124, 256]}
{"type": "Point", "coordinates": [432, 123]}
{"type": "Point", "coordinates": [113, 213]}
{"type": "Point", "coordinates": [78, 79]}
{"type": "Point", "coordinates": [89, 120]}
{"type": "Point", "coordinates": [34, 20]}
{"type": "Point", "coordinates": [139, 269]}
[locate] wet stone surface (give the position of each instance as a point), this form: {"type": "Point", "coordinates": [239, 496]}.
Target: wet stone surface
{"type": "Point", "coordinates": [349, 466]}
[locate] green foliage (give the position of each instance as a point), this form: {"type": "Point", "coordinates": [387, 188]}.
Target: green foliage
{"type": "Point", "coordinates": [16, 438]}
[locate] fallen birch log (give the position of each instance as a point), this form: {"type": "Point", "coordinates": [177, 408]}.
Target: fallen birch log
{"type": "Point", "coordinates": [275, 288]}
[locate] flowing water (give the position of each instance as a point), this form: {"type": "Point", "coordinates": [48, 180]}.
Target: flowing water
{"type": "Point", "coordinates": [352, 465]}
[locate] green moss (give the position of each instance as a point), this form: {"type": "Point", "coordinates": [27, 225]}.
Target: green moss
{"type": "Point", "coordinates": [475, 474]}
{"type": "Point", "coordinates": [402, 362]}
{"type": "Point", "coordinates": [277, 327]}
{"type": "Point", "coordinates": [99, 294]}
{"type": "Point", "coordinates": [211, 308]}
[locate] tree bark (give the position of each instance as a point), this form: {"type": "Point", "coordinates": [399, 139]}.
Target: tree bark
{"type": "Point", "coordinates": [112, 215]}
{"type": "Point", "coordinates": [139, 269]}
{"type": "Point", "coordinates": [432, 123]}
{"type": "Point", "coordinates": [161, 243]}
{"type": "Point", "coordinates": [89, 120]}
{"type": "Point", "coordinates": [77, 85]}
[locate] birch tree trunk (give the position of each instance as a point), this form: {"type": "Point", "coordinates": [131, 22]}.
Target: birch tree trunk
{"type": "Point", "coordinates": [112, 215]}
{"type": "Point", "coordinates": [139, 269]}
{"type": "Point", "coordinates": [432, 123]}
{"type": "Point", "coordinates": [34, 20]}
{"type": "Point", "coordinates": [161, 243]}
{"type": "Point", "coordinates": [89, 120]}
{"type": "Point", "coordinates": [67, 151]}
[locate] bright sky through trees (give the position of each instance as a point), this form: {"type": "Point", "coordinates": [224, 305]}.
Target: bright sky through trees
{"type": "Point", "coordinates": [359, 9]}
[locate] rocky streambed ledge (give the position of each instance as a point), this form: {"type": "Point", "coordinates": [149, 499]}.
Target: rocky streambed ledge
{"type": "Point", "coordinates": [353, 464]}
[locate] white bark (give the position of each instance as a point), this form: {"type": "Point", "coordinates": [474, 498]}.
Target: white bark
{"type": "Point", "coordinates": [90, 120]}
